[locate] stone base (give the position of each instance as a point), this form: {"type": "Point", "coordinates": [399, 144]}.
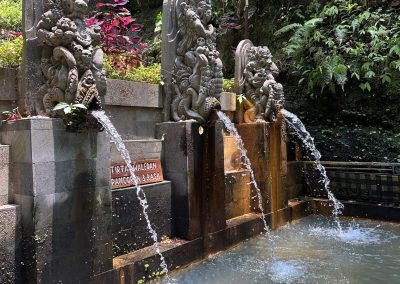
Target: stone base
{"type": "Point", "coordinates": [61, 181]}
{"type": "Point", "coordinates": [10, 242]}
{"type": "Point", "coordinates": [130, 231]}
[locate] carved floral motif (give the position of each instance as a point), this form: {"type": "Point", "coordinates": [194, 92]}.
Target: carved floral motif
{"type": "Point", "coordinates": [72, 64]}
{"type": "Point", "coordinates": [198, 74]}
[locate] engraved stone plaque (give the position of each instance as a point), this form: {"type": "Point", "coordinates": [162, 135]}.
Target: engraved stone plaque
{"type": "Point", "coordinates": [147, 171]}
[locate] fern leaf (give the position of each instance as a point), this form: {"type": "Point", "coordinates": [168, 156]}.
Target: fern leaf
{"type": "Point", "coordinates": [287, 28]}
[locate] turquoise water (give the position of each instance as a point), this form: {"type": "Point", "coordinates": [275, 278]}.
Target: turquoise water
{"type": "Point", "coordinates": [310, 251]}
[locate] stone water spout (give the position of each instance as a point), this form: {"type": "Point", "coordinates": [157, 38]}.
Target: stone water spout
{"type": "Point", "coordinates": [196, 82]}
{"type": "Point", "coordinates": [71, 62]}
{"type": "Point", "coordinates": [255, 74]}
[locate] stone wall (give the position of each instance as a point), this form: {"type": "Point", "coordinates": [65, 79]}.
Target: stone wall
{"type": "Point", "coordinates": [134, 108]}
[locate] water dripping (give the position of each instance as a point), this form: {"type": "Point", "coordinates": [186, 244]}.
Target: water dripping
{"type": "Point", "coordinates": [230, 126]}
{"type": "Point", "coordinates": [297, 132]}
{"type": "Point", "coordinates": [117, 139]}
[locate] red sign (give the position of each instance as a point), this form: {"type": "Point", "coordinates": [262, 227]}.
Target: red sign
{"type": "Point", "coordinates": [146, 171]}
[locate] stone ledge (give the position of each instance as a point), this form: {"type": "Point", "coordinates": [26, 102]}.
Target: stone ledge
{"type": "Point", "coordinates": [135, 94]}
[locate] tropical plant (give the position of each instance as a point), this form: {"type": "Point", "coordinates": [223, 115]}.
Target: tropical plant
{"type": "Point", "coordinates": [344, 44]}
{"type": "Point", "coordinates": [229, 85]}
{"type": "Point", "coordinates": [117, 27]}
{"type": "Point", "coordinates": [11, 52]}
{"type": "Point", "coordinates": [11, 15]}
{"type": "Point", "coordinates": [147, 74]}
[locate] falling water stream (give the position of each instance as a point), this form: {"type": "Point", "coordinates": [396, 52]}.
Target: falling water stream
{"type": "Point", "coordinates": [109, 127]}
{"type": "Point", "coordinates": [297, 132]}
{"type": "Point", "coordinates": [239, 143]}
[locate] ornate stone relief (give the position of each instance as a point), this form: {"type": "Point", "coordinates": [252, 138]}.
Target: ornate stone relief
{"type": "Point", "coordinates": [71, 63]}
{"type": "Point", "coordinates": [255, 78]}
{"type": "Point", "coordinates": [197, 79]}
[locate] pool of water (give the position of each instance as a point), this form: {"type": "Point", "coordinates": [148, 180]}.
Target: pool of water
{"type": "Point", "coordinates": [310, 251]}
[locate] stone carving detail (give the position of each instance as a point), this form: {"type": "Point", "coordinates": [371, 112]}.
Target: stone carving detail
{"type": "Point", "coordinates": [71, 63]}
{"type": "Point", "coordinates": [197, 79]}
{"type": "Point", "coordinates": [255, 78]}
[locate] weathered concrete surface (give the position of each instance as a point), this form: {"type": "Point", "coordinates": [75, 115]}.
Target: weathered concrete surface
{"type": "Point", "coordinates": [62, 183]}
{"type": "Point", "coordinates": [8, 84]}
{"type": "Point", "coordinates": [10, 242]}
{"type": "Point", "coordinates": [31, 58]}
{"type": "Point", "coordinates": [254, 136]}
{"type": "Point", "coordinates": [4, 173]}
{"type": "Point", "coordinates": [134, 122]}
{"type": "Point", "coordinates": [237, 193]}
{"type": "Point", "coordinates": [129, 227]}
{"type": "Point", "coordinates": [134, 94]}
{"type": "Point", "coordinates": [182, 156]}
{"type": "Point", "coordinates": [295, 180]}
{"type": "Point", "coordinates": [232, 156]}
{"type": "Point", "coordinates": [139, 149]}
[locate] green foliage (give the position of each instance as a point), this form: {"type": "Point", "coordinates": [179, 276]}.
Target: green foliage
{"type": "Point", "coordinates": [11, 52]}
{"type": "Point", "coordinates": [229, 85]}
{"type": "Point", "coordinates": [344, 44]}
{"type": "Point", "coordinates": [147, 74]}
{"type": "Point", "coordinates": [11, 15]}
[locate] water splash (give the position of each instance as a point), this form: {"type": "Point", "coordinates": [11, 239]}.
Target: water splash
{"type": "Point", "coordinates": [297, 132]}
{"type": "Point", "coordinates": [286, 271]}
{"type": "Point", "coordinates": [243, 152]}
{"type": "Point", "coordinates": [109, 127]}
{"type": "Point", "coordinates": [354, 234]}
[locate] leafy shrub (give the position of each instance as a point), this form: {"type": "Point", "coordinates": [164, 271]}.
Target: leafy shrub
{"type": "Point", "coordinates": [342, 44]}
{"type": "Point", "coordinates": [11, 15]}
{"type": "Point", "coordinates": [229, 85]}
{"type": "Point", "coordinates": [147, 74]}
{"type": "Point", "coordinates": [117, 27]}
{"type": "Point", "coordinates": [11, 52]}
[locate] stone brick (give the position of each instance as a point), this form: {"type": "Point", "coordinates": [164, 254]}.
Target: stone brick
{"type": "Point", "coordinates": [129, 225]}
{"type": "Point", "coordinates": [136, 127]}
{"type": "Point", "coordinates": [135, 94]}
{"type": "Point", "coordinates": [139, 149]}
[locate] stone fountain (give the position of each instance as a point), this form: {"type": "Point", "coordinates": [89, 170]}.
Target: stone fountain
{"type": "Point", "coordinates": [59, 181]}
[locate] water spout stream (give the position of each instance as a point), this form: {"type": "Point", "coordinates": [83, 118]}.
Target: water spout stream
{"type": "Point", "coordinates": [109, 127]}
{"type": "Point", "coordinates": [297, 132]}
{"type": "Point", "coordinates": [239, 143]}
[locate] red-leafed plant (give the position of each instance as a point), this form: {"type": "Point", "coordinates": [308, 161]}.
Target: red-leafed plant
{"type": "Point", "coordinates": [118, 38]}
{"type": "Point", "coordinates": [117, 27]}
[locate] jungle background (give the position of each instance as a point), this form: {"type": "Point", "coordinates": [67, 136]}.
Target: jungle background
{"type": "Point", "coordinates": [339, 60]}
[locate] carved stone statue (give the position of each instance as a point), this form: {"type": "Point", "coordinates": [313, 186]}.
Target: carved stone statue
{"type": "Point", "coordinates": [197, 77]}
{"type": "Point", "coordinates": [71, 63]}
{"type": "Point", "coordinates": [255, 78]}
